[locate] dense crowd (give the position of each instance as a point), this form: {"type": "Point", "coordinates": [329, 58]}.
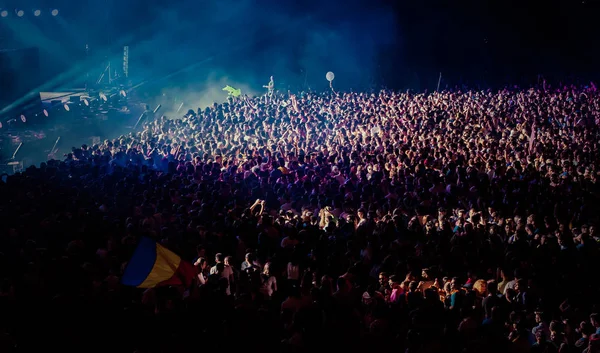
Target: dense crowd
{"type": "Point", "coordinates": [384, 222]}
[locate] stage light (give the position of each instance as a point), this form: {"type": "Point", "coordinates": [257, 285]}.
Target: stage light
{"type": "Point", "coordinates": [55, 12]}
{"type": "Point", "coordinates": [23, 118]}
{"type": "Point", "coordinates": [20, 13]}
{"type": "Point", "coordinates": [4, 13]}
{"type": "Point", "coordinates": [36, 13]}
{"type": "Point", "coordinates": [66, 106]}
{"type": "Point", "coordinates": [45, 112]}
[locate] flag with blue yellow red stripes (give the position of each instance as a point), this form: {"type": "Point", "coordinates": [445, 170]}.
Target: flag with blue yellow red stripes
{"type": "Point", "coordinates": [153, 265]}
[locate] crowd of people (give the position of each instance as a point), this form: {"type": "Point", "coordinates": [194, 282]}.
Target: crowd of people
{"type": "Point", "coordinates": [384, 222]}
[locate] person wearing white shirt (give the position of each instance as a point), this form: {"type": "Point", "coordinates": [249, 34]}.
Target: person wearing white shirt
{"type": "Point", "coordinates": [226, 271]}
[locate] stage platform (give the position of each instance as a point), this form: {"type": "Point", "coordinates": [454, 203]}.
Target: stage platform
{"type": "Point", "coordinates": [87, 124]}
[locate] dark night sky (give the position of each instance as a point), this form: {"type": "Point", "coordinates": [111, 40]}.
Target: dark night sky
{"type": "Point", "coordinates": [501, 41]}
{"type": "Point", "coordinates": [469, 41]}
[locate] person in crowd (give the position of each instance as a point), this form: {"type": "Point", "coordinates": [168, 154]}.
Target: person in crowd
{"type": "Point", "coordinates": [224, 270]}
{"type": "Point", "coordinates": [268, 281]}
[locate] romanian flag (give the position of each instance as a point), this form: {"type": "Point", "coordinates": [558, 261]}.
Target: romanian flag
{"type": "Point", "coordinates": [153, 265]}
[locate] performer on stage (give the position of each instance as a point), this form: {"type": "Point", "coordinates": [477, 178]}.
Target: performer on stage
{"type": "Point", "coordinates": [270, 87]}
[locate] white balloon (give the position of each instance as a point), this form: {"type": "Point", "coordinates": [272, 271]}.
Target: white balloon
{"type": "Point", "coordinates": [330, 76]}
